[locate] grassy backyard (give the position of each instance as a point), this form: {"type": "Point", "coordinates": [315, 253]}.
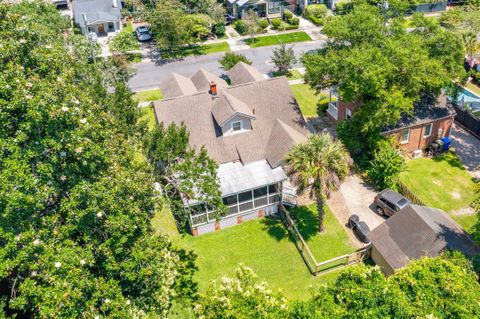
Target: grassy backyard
{"type": "Point", "coordinates": [307, 99]}
{"type": "Point", "coordinates": [148, 95]}
{"type": "Point", "coordinates": [440, 182]}
{"type": "Point", "coordinates": [265, 245]}
{"type": "Point", "coordinates": [277, 39]}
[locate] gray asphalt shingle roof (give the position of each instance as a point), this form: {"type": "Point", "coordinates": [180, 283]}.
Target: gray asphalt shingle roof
{"type": "Point", "coordinates": [417, 231]}
{"type": "Point", "coordinates": [96, 10]}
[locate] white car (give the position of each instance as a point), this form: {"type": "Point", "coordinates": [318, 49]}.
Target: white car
{"type": "Point", "coordinates": [143, 34]}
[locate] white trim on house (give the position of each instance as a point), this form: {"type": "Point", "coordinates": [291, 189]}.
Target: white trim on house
{"type": "Point", "coordinates": [430, 126]}
{"type": "Point", "coordinates": [402, 139]}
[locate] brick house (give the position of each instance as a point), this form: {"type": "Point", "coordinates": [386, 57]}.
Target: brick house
{"type": "Point", "coordinates": [431, 119]}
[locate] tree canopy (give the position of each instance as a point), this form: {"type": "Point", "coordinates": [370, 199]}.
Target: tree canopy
{"type": "Point", "coordinates": [75, 235]}
{"type": "Point", "coordinates": [382, 65]}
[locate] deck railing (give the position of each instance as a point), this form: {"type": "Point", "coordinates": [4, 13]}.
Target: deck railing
{"type": "Point", "coordinates": [320, 268]}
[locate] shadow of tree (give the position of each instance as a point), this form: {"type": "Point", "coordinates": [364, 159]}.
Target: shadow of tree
{"type": "Point", "coordinates": [306, 221]}
{"type": "Point", "coordinates": [275, 228]}
{"type": "Point", "coordinates": [451, 159]}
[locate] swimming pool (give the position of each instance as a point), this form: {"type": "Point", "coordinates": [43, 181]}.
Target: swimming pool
{"type": "Point", "coordinates": [469, 99]}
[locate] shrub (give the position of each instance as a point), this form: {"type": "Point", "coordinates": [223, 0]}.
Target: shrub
{"type": "Point", "coordinates": [230, 59]}
{"type": "Point", "coordinates": [219, 30]}
{"type": "Point", "coordinates": [287, 15]}
{"type": "Point", "coordinates": [343, 7]}
{"type": "Point", "coordinates": [315, 20]}
{"type": "Point", "coordinates": [386, 166]}
{"type": "Point", "coordinates": [263, 23]}
{"type": "Point", "coordinates": [316, 10]}
{"type": "Point", "coordinates": [475, 76]}
{"type": "Point", "coordinates": [276, 22]}
{"type": "Point", "coordinates": [123, 42]}
{"type": "Point", "coordinates": [295, 21]}
{"type": "Point", "coordinates": [241, 27]}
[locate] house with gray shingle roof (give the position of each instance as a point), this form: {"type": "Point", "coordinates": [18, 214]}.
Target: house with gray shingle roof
{"type": "Point", "coordinates": [98, 16]}
{"type": "Point", "coordinates": [247, 128]}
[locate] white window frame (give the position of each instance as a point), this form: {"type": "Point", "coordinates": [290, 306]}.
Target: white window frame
{"type": "Point", "coordinates": [403, 141]}
{"type": "Point", "coordinates": [348, 113]}
{"type": "Point", "coordinates": [233, 124]}
{"type": "Point", "coordinates": [440, 132]}
{"type": "Point", "coordinates": [429, 125]}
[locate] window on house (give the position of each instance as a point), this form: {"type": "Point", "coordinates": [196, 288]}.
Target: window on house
{"type": "Point", "coordinates": [111, 27]}
{"type": "Point", "coordinates": [230, 200]}
{"type": "Point", "coordinates": [259, 192]}
{"type": "Point", "coordinates": [245, 196]}
{"type": "Point", "coordinates": [274, 7]}
{"type": "Point", "coordinates": [405, 136]}
{"type": "Point", "coordinates": [236, 126]}
{"type": "Point", "coordinates": [428, 130]}
{"type": "Point", "coordinates": [348, 113]}
{"type": "Point", "coordinates": [272, 189]}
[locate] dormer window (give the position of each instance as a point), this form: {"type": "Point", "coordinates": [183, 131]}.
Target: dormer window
{"type": "Point", "coordinates": [237, 126]}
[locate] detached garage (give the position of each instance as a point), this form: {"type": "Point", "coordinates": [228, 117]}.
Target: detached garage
{"type": "Point", "coordinates": [415, 232]}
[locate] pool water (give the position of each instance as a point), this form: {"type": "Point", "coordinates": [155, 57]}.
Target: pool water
{"type": "Point", "coordinates": [469, 98]}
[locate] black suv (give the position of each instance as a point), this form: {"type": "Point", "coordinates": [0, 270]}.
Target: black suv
{"type": "Point", "coordinates": [389, 202]}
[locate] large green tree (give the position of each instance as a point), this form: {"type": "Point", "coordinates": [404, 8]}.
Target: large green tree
{"type": "Point", "coordinates": [318, 165]}
{"type": "Point", "coordinates": [75, 234]}
{"type": "Point", "coordinates": [183, 173]}
{"type": "Point", "coordinates": [382, 66]}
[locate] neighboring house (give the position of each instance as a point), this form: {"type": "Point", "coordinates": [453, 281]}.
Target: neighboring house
{"type": "Point", "coordinates": [415, 232]}
{"type": "Point", "coordinates": [98, 16]}
{"type": "Point", "coordinates": [264, 8]}
{"type": "Point", "coordinates": [247, 128]}
{"type": "Point", "coordinates": [431, 119]}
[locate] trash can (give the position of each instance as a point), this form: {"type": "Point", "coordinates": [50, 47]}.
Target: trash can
{"type": "Point", "coordinates": [446, 143]}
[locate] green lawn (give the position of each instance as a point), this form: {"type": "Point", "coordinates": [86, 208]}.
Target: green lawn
{"type": "Point", "coordinates": [307, 99]}
{"type": "Point", "coordinates": [440, 182]}
{"type": "Point", "coordinates": [199, 50]}
{"type": "Point", "coordinates": [265, 245]}
{"type": "Point", "coordinates": [277, 39]}
{"type": "Point", "coordinates": [148, 95]}
{"type": "Point", "coordinates": [295, 75]}
{"type": "Point", "coordinates": [466, 221]}
{"type": "Point", "coordinates": [332, 242]}
{"type": "Point", "coordinates": [472, 87]}
{"type": "Point", "coordinates": [149, 116]}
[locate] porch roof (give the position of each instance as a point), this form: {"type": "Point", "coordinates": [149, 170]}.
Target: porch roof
{"type": "Point", "coordinates": [236, 177]}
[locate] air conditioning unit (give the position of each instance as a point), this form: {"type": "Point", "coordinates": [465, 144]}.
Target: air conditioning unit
{"type": "Point", "coordinates": [417, 154]}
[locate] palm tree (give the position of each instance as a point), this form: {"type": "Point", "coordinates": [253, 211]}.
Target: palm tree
{"type": "Point", "coordinates": [471, 46]}
{"type": "Point", "coordinates": [318, 165]}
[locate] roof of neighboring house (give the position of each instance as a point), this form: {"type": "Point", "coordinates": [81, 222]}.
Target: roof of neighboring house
{"type": "Point", "coordinates": [427, 109]}
{"type": "Point", "coordinates": [227, 106]}
{"type": "Point", "coordinates": [278, 124]}
{"type": "Point", "coordinates": [417, 231]}
{"type": "Point", "coordinates": [96, 10]}
{"type": "Point", "coordinates": [244, 73]}
{"type": "Point", "coordinates": [177, 85]}
{"type": "Point", "coordinates": [202, 79]}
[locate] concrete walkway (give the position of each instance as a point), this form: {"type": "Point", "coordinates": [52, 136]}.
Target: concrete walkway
{"type": "Point", "coordinates": [354, 197]}
{"type": "Point", "coordinates": [467, 148]}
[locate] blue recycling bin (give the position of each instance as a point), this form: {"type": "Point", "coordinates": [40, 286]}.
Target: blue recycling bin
{"type": "Point", "coordinates": [446, 143]}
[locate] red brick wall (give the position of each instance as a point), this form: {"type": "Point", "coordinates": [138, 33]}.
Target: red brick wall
{"type": "Point", "coordinates": [342, 107]}
{"type": "Point", "coordinates": [417, 141]}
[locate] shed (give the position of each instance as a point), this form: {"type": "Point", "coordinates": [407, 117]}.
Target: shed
{"type": "Point", "coordinates": [415, 232]}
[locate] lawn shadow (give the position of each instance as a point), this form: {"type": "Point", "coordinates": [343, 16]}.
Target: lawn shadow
{"type": "Point", "coordinates": [451, 159]}
{"type": "Point", "coordinates": [306, 221]}
{"type": "Point", "coordinates": [275, 228]}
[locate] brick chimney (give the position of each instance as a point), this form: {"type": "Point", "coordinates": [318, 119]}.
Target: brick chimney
{"type": "Point", "coordinates": [213, 88]}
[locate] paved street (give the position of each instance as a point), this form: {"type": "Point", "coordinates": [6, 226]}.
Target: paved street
{"type": "Point", "coordinates": [150, 73]}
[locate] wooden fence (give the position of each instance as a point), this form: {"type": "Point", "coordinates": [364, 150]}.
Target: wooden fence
{"type": "Point", "coordinates": [405, 191]}
{"type": "Point", "coordinates": [320, 268]}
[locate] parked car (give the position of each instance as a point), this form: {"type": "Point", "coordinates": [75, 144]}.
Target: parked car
{"type": "Point", "coordinates": [228, 18]}
{"type": "Point", "coordinates": [143, 33]}
{"type": "Point", "coordinates": [388, 202]}
{"type": "Point", "coordinates": [360, 229]}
